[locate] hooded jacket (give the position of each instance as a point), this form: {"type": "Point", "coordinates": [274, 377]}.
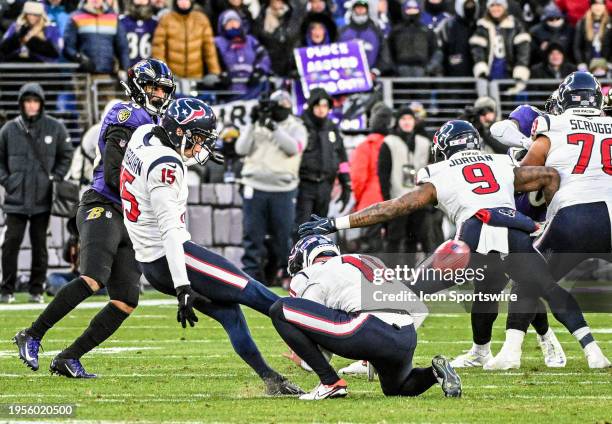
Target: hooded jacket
{"type": "Point", "coordinates": [99, 37]}
{"type": "Point", "coordinates": [23, 144]}
{"type": "Point", "coordinates": [186, 44]}
{"type": "Point", "coordinates": [373, 42]}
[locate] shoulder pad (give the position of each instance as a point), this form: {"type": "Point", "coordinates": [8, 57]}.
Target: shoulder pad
{"type": "Point", "coordinates": [423, 175]}
{"type": "Point", "coordinates": [541, 125]}
{"type": "Point", "coordinates": [128, 115]}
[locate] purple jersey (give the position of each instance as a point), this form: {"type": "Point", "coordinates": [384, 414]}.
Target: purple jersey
{"type": "Point", "coordinates": [124, 114]}
{"type": "Point", "coordinates": [532, 205]}
{"type": "Point", "coordinates": [139, 35]}
{"type": "Point", "coordinates": [525, 115]}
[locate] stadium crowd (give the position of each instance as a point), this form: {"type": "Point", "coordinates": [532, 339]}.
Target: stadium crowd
{"type": "Point", "coordinates": [286, 160]}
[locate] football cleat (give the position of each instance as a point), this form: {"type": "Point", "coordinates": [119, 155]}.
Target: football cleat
{"type": "Point", "coordinates": [504, 360]}
{"type": "Point", "coordinates": [446, 376]}
{"type": "Point", "coordinates": [71, 368]}
{"type": "Point", "coordinates": [28, 349]}
{"type": "Point", "coordinates": [357, 367]}
{"type": "Point", "coordinates": [471, 359]}
{"type": "Point", "coordinates": [595, 357]}
{"type": "Point", "coordinates": [324, 391]}
{"type": "Point", "coordinates": [554, 357]}
{"type": "Point", "coordinates": [7, 298]}
{"type": "Point", "coordinates": [279, 385]}
{"type": "Point", "coordinates": [36, 298]}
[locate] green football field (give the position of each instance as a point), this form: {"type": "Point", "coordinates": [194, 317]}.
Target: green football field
{"type": "Point", "coordinates": [152, 370]}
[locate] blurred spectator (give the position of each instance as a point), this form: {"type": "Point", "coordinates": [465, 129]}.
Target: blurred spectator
{"type": "Point", "coordinates": [139, 26]}
{"type": "Point", "coordinates": [323, 159]}
{"type": "Point", "coordinates": [555, 66]}
{"type": "Point", "coordinates": [599, 67]}
{"type": "Point", "coordinates": [32, 38]}
{"type": "Point", "coordinates": [232, 163]}
{"type": "Point", "coordinates": [402, 154]}
{"type": "Point", "coordinates": [94, 39]}
{"type": "Point", "coordinates": [453, 37]}
{"type": "Point", "coordinates": [575, 10]}
{"type": "Point", "coordinates": [273, 148]}
{"type": "Point", "coordinates": [278, 29]}
{"type": "Point", "coordinates": [70, 254]}
{"type": "Point", "coordinates": [9, 11]}
{"type": "Point", "coordinates": [214, 9]}
{"type": "Point", "coordinates": [434, 13]}
{"type": "Point", "coordinates": [412, 45]}
{"type": "Point", "coordinates": [482, 115]}
{"type": "Point", "coordinates": [591, 34]}
{"type": "Point", "coordinates": [320, 6]}
{"type": "Point", "coordinates": [160, 7]}
{"type": "Point", "coordinates": [57, 13]}
{"type": "Point", "coordinates": [364, 173]}
{"type": "Point", "coordinates": [500, 46]}
{"type": "Point", "coordinates": [34, 150]}
{"type": "Point", "coordinates": [362, 27]}
{"type": "Point", "coordinates": [318, 29]}
{"type": "Point", "coordinates": [241, 54]}
{"type": "Point", "coordinates": [552, 29]}
{"type": "Point", "coordinates": [382, 14]}
{"type": "Point", "coordinates": [184, 40]}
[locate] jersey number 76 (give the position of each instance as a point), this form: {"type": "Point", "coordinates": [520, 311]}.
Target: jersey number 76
{"type": "Point", "coordinates": [587, 141]}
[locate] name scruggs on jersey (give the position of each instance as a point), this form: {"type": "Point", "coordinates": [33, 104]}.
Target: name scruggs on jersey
{"type": "Point", "coordinates": [597, 127]}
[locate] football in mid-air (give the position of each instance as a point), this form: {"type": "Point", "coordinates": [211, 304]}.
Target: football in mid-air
{"type": "Point", "coordinates": [452, 254]}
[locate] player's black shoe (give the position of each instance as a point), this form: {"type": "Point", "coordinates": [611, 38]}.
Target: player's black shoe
{"type": "Point", "coordinates": [28, 349]}
{"type": "Point", "coordinates": [71, 368]}
{"type": "Point", "coordinates": [279, 385]}
{"type": "Point", "coordinates": [447, 376]}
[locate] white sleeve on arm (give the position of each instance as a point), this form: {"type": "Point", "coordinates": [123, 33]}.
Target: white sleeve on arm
{"type": "Point", "coordinates": [507, 133]}
{"type": "Point", "coordinates": [164, 200]}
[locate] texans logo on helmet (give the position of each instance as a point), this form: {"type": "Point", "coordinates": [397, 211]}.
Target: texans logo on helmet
{"type": "Point", "coordinates": [189, 116]}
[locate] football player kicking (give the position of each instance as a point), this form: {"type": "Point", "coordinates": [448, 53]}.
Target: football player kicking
{"type": "Point", "coordinates": [577, 144]}
{"type": "Point", "coordinates": [476, 190]}
{"type": "Point", "coordinates": [154, 192]}
{"type": "Point", "coordinates": [327, 312]}
{"type": "Point", "coordinates": [106, 255]}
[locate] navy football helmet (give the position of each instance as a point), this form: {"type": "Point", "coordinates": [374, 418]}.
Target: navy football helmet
{"type": "Point", "coordinates": [147, 74]}
{"type": "Point", "coordinates": [581, 92]}
{"type": "Point", "coordinates": [188, 122]}
{"type": "Point", "coordinates": [552, 103]}
{"type": "Point", "coordinates": [454, 136]}
{"type": "Point", "coordinates": [307, 249]}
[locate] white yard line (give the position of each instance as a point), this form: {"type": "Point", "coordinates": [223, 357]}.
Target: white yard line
{"type": "Point", "coordinates": [84, 305]}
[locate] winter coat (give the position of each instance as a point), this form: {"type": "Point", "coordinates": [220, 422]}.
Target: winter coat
{"type": "Point", "coordinates": [373, 42]}
{"type": "Point", "coordinates": [516, 44]}
{"type": "Point", "coordinates": [35, 50]}
{"type": "Point", "coordinates": [584, 49]}
{"type": "Point", "coordinates": [575, 10]}
{"type": "Point", "coordinates": [541, 33]}
{"type": "Point", "coordinates": [186, 44]}
{"type": "Point", "coordinates": [99, 37]}
{"type": "Point", "coordinates": [411, 44]}
{"type": "Point", "coordinates": [364, 172]}
{"type": "Point", "coordinates": [27, 183]}
{"type": "Point", "coordinates": [59, 16]}
{"type": "Point", "coordinates": [453, 37]}
{"type": "Point", "coordinates": [543, 71]}
{"type": "Point", "coordinates": [239, 58]}
{"type": "Point", "coordinates": [281, 41]}
{"type": "Point", "coordinates": [324, 152]}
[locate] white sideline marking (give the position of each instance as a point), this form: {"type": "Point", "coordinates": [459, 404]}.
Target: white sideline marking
{"type": "Point", "coordinates": [84, 305]}
{"type": "Point", "coordinates": [96, 351]}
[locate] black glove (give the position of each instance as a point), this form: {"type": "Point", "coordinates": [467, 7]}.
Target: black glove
{"type": "Point", "coordinates": [186, 298]}
{"type": "Point", "coordinates": [345, 196]}
{"type": "Point", "coordinates": [225, 80]}
{"type": "Point", "coordinates": [317, 225]}
{"type": "Point", "coordinates": [86, 64]}
{"type": "Point", "coordinates": [255, 77]}
{"type": "Point", "coordinates": [23, 31]}
{"type": "Point", "coordinates": [270, 124]}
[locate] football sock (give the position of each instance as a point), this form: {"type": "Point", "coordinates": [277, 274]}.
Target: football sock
{"type": "Point", "coordinates": [584, 336]}
{"type": "Point", "coordinates": [481, 349]}
{"type": "Point", "coordinates": [514, 340]}
{"type": "Point", "coordinates": [418, 381]}
{"type": "Point", "coordinates": [65, 301]}
{"type": "Point", "coordinates": [101, 327]}
{"type": "Point", "coordinates": [303, 346]}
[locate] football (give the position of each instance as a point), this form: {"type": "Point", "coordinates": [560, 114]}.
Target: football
{"type": "Point", "coordinates": [452, 254]}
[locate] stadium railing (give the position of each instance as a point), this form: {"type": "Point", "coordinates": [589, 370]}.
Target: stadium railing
{"type": "Point", "coordinates": [66, 95]}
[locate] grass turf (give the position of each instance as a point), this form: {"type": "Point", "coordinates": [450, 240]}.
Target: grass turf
{"type": "Point", "coordinates": [152, 370]}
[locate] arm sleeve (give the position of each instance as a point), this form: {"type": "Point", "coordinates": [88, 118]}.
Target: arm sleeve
{"type": "Point", "coordinates": [507, 133]}
{"type": "Point", "coordinates": [43, 47]}
{"type": "Point", "coordinates": [164, 200]}
{"type": "Point", "coordinates": [291, 142]}
{"type": "Point", "coordinates": [63, 154]}
{"type": "Point", "coordinates": [4, 174]}
{"type": "Point", "coordinates": [384, 170]}
{"type": "Point", "coordinates": [10, 42]}
{"type": "Point", "coordinates": [113, 154]}
{"type": "Point", "coordinates": [70, 41]}
{"type": "Point", "coordinates": [121, 47]}
{"type": "Point", "coordinates": [244, 144]}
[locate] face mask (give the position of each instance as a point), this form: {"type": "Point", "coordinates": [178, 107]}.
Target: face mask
{"type": "Point", "coordinates": [554, 23]}
{"type": "Point", "coordinates": [411, 19]}
{"type": "Point", "coordinates": [280, 113]}
{"type": "Point", "coordinates": [434, 8]}
{"type": "Point", "coordinates": [233, 33]}
{"type": "Point", "coordinates": [469, 12]}
{"type": "Point", "coordinates": [359, 19]}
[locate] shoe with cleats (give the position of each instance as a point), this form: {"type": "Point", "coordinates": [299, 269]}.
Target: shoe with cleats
{"type": "Point", "coordinates": [324, 391]}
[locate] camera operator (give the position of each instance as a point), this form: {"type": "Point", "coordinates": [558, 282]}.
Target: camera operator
{"type": "Point", "coordinates": [273, 148]}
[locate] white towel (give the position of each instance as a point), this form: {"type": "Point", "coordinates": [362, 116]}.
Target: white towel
{"type": "Point", "coordinates": [493, 239]}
